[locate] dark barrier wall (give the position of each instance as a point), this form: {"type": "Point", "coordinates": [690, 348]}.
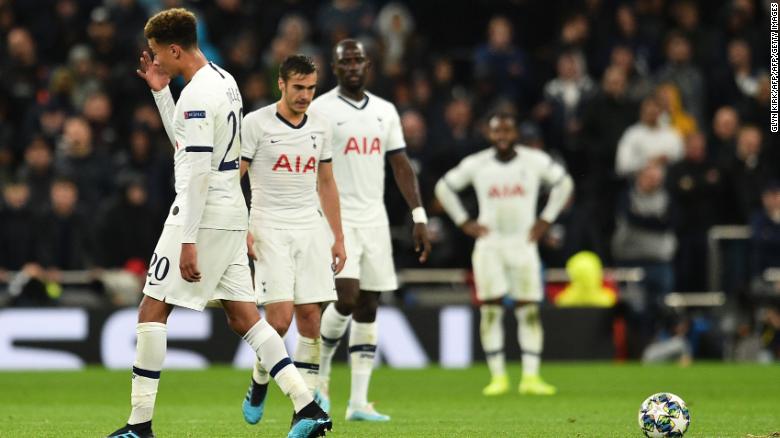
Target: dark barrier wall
{"type": "Point", "coordinates": [72, 338]}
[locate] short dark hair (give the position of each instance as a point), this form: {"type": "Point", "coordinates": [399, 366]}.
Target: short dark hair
{"type": "Point", "coordinates": [296, 65]}
{"type": "Point", "coordinates": [173, 26]}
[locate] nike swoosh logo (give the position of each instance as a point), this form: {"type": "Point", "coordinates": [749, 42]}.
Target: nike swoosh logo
{"type": "Point", "coordinates": [151, 283]}
{"type": "Point", "coordinates": [341, 123]}
{"type": "Point", "coordinates": [275, 141]}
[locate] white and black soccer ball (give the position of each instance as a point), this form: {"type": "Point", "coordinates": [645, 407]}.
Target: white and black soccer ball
{"type": "Point", "coordinates": [664, 415]}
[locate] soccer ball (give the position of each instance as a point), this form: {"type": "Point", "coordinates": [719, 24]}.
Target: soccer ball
{"type": "Point", "coordinates": [664, 415]}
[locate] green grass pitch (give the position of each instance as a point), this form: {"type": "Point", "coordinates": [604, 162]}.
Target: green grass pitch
{"type": "Point", "coordinates": [594, 400]}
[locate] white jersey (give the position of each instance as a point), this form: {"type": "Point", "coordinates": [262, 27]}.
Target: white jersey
{"type": "Point", "coordinates": [284, 161]}
{"type": "Point", "coordinates": [363, 133]}
{"type": "Point", "coordinates": [507, 192]}
{"type": "Point", "coordinates": [206, 123]}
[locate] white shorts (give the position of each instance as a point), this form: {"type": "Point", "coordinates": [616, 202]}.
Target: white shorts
{"type": "Point", "coordinates": [501, 269]}
{"type": "Point", "coordinates": [370, 258]}
{"type": "Point", "coordinates": [293, 265]}
{"type": "Point", "coordinates": [223, 265]}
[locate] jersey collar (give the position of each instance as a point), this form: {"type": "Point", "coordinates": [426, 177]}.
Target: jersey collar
{"type": "Point", "coordinates": [288, 123]}
{"type": "Point", "coordinates": [354, 104]}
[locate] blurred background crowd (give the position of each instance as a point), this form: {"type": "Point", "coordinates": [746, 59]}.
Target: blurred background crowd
{"type": "Point", "coordinates": [659, 109]}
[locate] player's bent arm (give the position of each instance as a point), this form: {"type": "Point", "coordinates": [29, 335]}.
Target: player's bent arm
{"type": "Point", "coordinates": [329, 198]}
{"type": "Point", "coordinates": [167, 108]}
{"type": "Point", "coordinates": [451, 202]}
{"type": "Point", "coordinates": [559, 196]}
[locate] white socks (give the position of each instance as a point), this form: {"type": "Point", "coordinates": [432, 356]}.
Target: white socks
{"type": "Point", "coordinates": [307, 360]}
{"type": "Point", "coordinates": [531, 337]}
{"type": "Point", "coordinates": [149, 357]}
{"type": "Point", "coordinates": [273, 357]}
{"type": "Point", "coordinates": [259, 374]}
{"type": "Point", "coordinates": [491, 331]}
{"type": "Point", "coordinates": [362, 349]}
{"type": "Point", "coordinates": [333, 325]}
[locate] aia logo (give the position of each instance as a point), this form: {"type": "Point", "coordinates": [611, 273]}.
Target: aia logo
{"type": "Point", "coordinates": [355, 147]}
{"type": "Point", "coordinates": [506, 191]}
{"type": "Point", "coordinates": [283, 164]}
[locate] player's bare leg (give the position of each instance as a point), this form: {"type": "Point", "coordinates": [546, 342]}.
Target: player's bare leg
{"type": "Point", "coordinates": [531, 338]}
{"type": "Point", "coordinates": [491, 331]}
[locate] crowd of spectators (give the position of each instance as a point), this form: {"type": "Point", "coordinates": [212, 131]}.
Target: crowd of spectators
{"type": "Point", "coordinates": [658, 108]}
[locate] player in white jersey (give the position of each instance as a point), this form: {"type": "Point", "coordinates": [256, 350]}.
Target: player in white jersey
{"type": "Point", "coordinates": [205, 233]}
{"type": "Point", "coordinates": [366, 131]}
{"type": "Point", "coordinates": [507, 179]}
{"type": "Point", "coordinates": [288, 154]}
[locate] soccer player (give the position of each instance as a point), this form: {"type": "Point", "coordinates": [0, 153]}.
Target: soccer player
{"type": "Point", "coordinates": [366, 130]}
{"type": "Point", "coordinates": [201, 254]}
{"type": "Point", "coordinates": [288, 154]}
{"type": "Point", "coordinates": [507, 179]}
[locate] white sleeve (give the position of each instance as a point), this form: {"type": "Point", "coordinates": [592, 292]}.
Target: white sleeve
{"type": "Point", "coordinates": [251, 134]}
{"type": "Point", "coordinates": [326, 151]}
{"type": "Point", "coordinates": [167, 109]}
{"type": "Point", "coordinates": [447, 189]}
{"type": "Point", "coordinates": [559, 196]}
{"type": "Point", "coordinates": [677, 148]}
{"type": "Point", "coordinates": [627, 160]}
{"type": "Point", "coordinates": [551, 172]}
{"type": "Point", "coordinates": [198, 140]}
{"type": "Point", "coordinates": [395, 138]}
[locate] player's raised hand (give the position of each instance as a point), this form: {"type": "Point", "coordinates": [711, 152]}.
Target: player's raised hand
{"type": "Point", "coordinates": [339, 256]}
{"type": "Point", "coordinates": [537, 231]}
{"type": "Point", "coordinates": [250, 246]}
{"type": "Point", "coordinates": [188, 263]}
{"type": "Point", "coordinates": [422, 244]}
{"type": "Point", "coordinates": [474, 229]}
{"type": "Point", "coordinates": [150, 71]}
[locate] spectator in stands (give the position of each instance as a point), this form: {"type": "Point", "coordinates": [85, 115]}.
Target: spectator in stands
{"type": "Point", "coordinates": [341, 19]}
{"type": "Point", "coordinates": [696, 187]}
{"type": "Point", "coordinates": [672, 112]}
{"type": "Point", "coordinates": [604, 121]}
{"type": "Point", "coordinates": [687, 19]}
{"type": "Point", "coordinates": [395, 25]}
{"type": "Point", "coordinates": [682, 72]}
{"type": "Point", "coordinates": [37, 172]}
{"type": "Point", "coordinates": [144, 159]}
{"type": "Point", "coordinates": [127, 225]}
{"type": "Point", "coordinates": [78, 159]}
{"type": "Point", "coordinates": [255, 92]}
{"type": "Point", "coordinates": [723, 140]}
{"type": "Point", "coordinates": [83, 71]}
{"type": "Point", "coordinates": [561, 109]}
{"type": "Point", "coordinates": [627, 35]}
{"type": "Point", "coordinates": [644, 236]}
{"type": "Point", "coordinates": [48, 121]}
{"type": "Point", "coordinates": [738, 80]}
{"type": "Point", "coordinates": [456, 137]}
{"type": "Point", "coordinates": [64, 240]}
{"type": "Point", "coordinates": [639, 84]}
{"type": "Point", "coordinates": [97, 111]}
{"type": "Point", "coordinates": [755, 109]}
{"type": "Point", "coordinates": [748, 172]}
{"type": "Point", "coordinates": [107, 52]}
{"type": "Point", "coordinates": [765, 239]}
{"type": "Point", "coordinates": [22, 72]}
{"type": "Point", "coordinates": [500, 67]}
{"type": "Point", "coordinates": [17, 227]}
{"type": "Point", "coordinates": [647, 141]}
